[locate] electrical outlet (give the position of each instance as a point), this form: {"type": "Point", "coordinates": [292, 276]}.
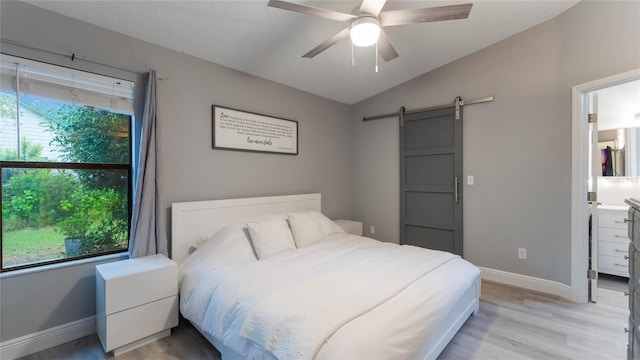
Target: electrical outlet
{"type": "Point", "coordinates": [372, 229]}
{"type": "Point", "coordinates": [522, 253]}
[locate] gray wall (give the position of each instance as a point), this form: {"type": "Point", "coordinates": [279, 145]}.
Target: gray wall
{"type": "Point", "coordinates": [45, 299]}
{"type": "Point", "coordinates": [191, 169]}
{"type": "Point", "coordinates": [517, 147]}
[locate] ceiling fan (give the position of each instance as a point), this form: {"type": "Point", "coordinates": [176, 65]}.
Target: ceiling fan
{"type": "Point", "coordinates": [366, 23]}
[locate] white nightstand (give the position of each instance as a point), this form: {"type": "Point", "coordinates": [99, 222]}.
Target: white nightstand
{"type": "Point", "coordinates": [351, 227]}
{"type": "Point", "coordinates": [136, 302]}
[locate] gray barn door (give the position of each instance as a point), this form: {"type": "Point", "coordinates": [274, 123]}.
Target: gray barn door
{"type": "Point", "coordinates": [430, 174]}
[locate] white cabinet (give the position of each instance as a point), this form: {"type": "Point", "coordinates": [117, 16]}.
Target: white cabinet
{"type": "Point", "coordinates": [351, 227]}
{"type": "Point", "coordinates": [613, 241]}
{"type": "Point", "coordinates": [136, 301]}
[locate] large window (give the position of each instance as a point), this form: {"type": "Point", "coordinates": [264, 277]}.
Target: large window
{"type": "Point", "coordinates": [65, 158]}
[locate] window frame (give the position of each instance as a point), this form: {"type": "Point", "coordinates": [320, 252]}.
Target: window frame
{"type": "Point", "coordinates": [129, 167]}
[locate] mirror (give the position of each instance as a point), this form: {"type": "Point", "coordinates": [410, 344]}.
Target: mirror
{"type": "Point", "coordinates": [619, 149]}
{"type": "Point", "coordinates": [619, 129]}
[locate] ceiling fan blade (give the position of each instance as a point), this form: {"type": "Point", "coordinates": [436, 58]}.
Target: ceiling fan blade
{"type": "Point", "coordinates": [328, 43]}
{"type": "Point", "coordinates": [412, 16]}
{"type": "Point", "coordinates": [372, 7]}
{"type": "Point", "coordinates": [385, 49]}
{"type": "Point", "coordinates": [310, 10]}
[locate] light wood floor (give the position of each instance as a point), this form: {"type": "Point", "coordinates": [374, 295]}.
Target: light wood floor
{"type": "Point", "coordinates": [512, 324]}
{"type": "Point", "coordinates": [518, 324]}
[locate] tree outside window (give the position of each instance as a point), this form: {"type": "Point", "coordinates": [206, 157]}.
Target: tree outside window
{"type": "Point", "coordinates": [75, 205]}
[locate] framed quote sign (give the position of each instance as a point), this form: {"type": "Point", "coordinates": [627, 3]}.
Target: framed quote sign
{"type": "Point", "coordinates": [245, 131]}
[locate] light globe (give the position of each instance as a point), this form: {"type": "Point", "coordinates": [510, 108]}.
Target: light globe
{"type": "Point", "coordinates": [365, 31]}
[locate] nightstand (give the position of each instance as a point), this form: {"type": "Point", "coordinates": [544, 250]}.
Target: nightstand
{"type": "Point", "coordinates": [136, 302]}
{"type": "Point", "coordinates": [351, 227]}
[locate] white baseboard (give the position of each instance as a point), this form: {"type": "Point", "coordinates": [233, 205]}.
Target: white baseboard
{"type": "Point", "coordinates": [527, 282]}
{"type": "Point", "coordinates": [28, 344]}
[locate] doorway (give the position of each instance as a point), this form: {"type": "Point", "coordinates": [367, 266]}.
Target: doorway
{"type": "Point", "coordinates": [605, 161]}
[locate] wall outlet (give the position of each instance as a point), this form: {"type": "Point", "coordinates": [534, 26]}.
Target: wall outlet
{"type": "Point", "coordinates": [522, 253]}
{"type": "Point", "coordinates": [372, 229]}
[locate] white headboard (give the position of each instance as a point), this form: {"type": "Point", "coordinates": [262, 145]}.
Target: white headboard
{"type": "Point", "coordinates": [192, 220]}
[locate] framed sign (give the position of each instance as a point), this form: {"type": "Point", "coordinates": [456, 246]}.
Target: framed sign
{"type": "Point", "coordinates": [245, 131]}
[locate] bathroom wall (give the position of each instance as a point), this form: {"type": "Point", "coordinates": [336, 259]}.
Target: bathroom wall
{"type": "Point", "coordinates": [612, 190]}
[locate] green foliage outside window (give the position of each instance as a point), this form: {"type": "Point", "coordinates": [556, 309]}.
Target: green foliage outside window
{"type": "Point", "coordinates": [97, 218]}
{"type": "Point", "coordinates": [88, 205]}
{"type": "Point", "coordinates": [29, 151]}
{"type": "Point", "coordinates": [88, 135]}
{"type": "Point", "coordinates": [7, 106]}
{"type": "Point", "coordinates": [32, 197]}
{"type": "Point", "coordinates": [98, 209]}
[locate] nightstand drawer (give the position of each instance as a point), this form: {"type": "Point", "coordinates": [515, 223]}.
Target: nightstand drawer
{"type": "Point", "coordinates": [140, 322]}
{"type": "Point", "coordinates": [615, 235]}
{"type": "Point", "coordinates": [134, 282]}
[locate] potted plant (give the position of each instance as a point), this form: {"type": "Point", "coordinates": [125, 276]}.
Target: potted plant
{"type": "Point", "coordinates": [74, 227]}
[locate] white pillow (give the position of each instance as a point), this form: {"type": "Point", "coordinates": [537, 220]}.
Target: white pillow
{"type": "Point", "coordinates": [231, 243]}
{"type": "Point", "coordinates": [270, 237]}
{"type": "Point", "coordinates": [305, 228]}
{"type": "Point", "coordinates": [309, 227]}
{"type": "Point", "coordinates": [329, 227]}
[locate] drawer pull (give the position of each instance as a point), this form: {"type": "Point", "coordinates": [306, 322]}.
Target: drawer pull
{"type": "Point", "coordinates": [624, 265]}
{"type": "Point", "coordinates": [626, 330]}
{"type": "Point", "coordinates": [626, 257]}
{"type": "Point", "coordinates": [621, 236]}
{"type": "Point", "coordinates": [621, 222]}
{"type": "Point", "coordinates": [626, 293]}
{"type": "Point", "coordinates": [622, 251]}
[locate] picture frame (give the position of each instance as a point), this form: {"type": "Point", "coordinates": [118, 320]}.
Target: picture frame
{"type": "Point", "coordinates": [239, 130]}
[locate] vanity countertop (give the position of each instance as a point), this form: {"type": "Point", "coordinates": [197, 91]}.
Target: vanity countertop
{"type": "Point", "coordinates": [613, 207]}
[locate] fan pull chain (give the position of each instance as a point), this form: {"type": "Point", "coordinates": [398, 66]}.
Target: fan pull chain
{"type": "Point", "coordinates": [353, 62]}
{"type": "Point", "coordinates": [376, 56]}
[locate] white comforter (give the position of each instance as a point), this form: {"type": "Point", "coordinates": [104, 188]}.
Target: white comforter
{"type": "Point", "coordinates": [346, 297]}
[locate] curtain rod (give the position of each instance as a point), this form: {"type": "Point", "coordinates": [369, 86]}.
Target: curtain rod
{"type": "Point", "coordinates": [74, 57]}
{"type": "Point", "coordinates": [403, 112]}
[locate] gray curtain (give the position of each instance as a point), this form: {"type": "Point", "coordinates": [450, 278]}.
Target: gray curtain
{"type": "Point", "coordinates": [147, 235]}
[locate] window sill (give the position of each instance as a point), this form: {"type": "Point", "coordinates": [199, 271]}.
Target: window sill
{"type": "Point", "coordinates": [118, 256]}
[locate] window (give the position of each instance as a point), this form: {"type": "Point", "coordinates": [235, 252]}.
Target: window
{"type": "Point", "coordinates": [65, 158]}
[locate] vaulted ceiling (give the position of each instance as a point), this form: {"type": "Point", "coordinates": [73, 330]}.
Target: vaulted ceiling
{"type": "Point", "coordinates": [269, 43]}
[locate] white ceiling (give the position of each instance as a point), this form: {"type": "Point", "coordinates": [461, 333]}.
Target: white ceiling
{"type": "Point", "coordinates": [269, 42]}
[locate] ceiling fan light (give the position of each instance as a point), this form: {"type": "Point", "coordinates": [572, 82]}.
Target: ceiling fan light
{"type": "Point", "coordinates": [365, 31]}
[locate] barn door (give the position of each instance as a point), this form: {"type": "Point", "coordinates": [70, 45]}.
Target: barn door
{"type": "Point", "coordinates": [430, 176]}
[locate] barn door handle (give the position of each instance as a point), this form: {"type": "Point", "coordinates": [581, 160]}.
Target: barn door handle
{"type": "Point", "coordinates": [455, 189]}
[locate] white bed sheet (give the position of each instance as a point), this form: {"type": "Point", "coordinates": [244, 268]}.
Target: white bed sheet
{"type": "Point", "coordinates": [392, 329]}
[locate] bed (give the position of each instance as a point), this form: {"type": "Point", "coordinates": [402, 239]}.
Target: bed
{"type": "Point", "coordinates": [330, 295]}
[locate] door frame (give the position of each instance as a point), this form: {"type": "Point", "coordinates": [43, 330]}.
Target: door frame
{"type": "Point", "coordinates": [579, 186]}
